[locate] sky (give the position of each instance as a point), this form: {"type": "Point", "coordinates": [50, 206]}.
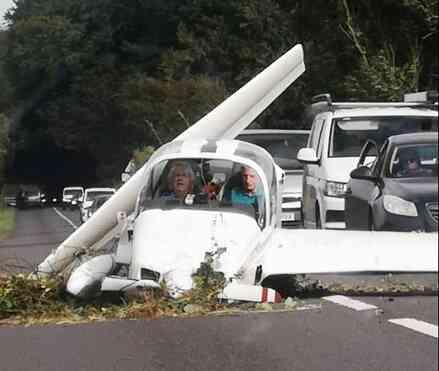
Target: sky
{"type": "Point", "coordinates": [4, 5]}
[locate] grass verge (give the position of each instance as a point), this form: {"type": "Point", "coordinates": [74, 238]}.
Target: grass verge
{"type": "Point", "coordinates": [7, 222]}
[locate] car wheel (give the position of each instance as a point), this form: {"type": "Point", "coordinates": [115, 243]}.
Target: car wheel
{"type": "Point", "coordinates": [372, 226]}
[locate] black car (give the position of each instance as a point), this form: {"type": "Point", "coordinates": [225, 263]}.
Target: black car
{"type": "Point", "coordinates": [395, 188]}
{"type": "Point", "coordinates": [29, 196]}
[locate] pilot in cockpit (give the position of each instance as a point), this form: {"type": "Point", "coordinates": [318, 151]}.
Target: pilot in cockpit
{"type": "Point", "coordinates": [181, 180]}
{"type": "Point", "coordinates": [248, 192]}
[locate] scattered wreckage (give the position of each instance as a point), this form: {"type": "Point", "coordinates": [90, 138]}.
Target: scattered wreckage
{"type": "Point", "coordinates": [163, 237]}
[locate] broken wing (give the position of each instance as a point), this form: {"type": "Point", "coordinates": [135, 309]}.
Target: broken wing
{"type": "Point", "coordinates": [331, 251]}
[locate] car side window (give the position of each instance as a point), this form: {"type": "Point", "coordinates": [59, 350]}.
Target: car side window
{"type": "Point", "coordinates": [320, 139]}
{"type": "Point", "coordinates": [315, 134]}
{"type": "Point", "coordinates": [378, 165]}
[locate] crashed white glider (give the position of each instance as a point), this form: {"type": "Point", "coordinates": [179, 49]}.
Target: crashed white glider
{"type": "Point", "coordinates": [160, 239]}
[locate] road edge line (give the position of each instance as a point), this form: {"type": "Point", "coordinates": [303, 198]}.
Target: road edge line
{"type": "Point", "coordinates": [65, 218]}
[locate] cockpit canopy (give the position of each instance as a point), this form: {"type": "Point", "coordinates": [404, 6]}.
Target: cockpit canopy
{"type": "Point", "coordinates": [225, 175]}
{"type": "Point", "coordinates": [205, 184]}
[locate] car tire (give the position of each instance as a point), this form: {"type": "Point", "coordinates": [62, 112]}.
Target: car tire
{"type": "Point", "coordinates": [372, 226]}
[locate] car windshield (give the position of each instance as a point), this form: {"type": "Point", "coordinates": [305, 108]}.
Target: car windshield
{"type": "Point", "coordinates": [209, 184]}
{"type": "Point", "coordinates": [31, 191]}
{"type": "Point", "coordinates": [99, 201]}
{"type": "Point", "coordinates": [283, 147]}
{"type": "Point", "coordinates": [93, 194]}
{"type": "Point", "coordinates": [414, 161]}
{"type": "Point", "coordinates": [73, 192]}
{"type": "Point", "coordinates": [350, 134]}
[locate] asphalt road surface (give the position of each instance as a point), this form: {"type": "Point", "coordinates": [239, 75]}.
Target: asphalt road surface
{"type": "Point", "coordinates": [37, 232]}
{"type": "Point", "coordinates": [334, 333]}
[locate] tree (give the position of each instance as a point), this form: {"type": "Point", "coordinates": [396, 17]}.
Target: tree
{"type": "Point", "coordinates": [391, 52]}
{"type": "Point", "coordinates": [3, 146]}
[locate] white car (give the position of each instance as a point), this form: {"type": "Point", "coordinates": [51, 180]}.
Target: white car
{"type": "Point", "coordinates": [69, 194]}
{"type": "Point", "coordinates": [339, 131]}
{"type": "Point", "coordinates": [87, 201]}
{"type": "Point", "coordinates": [283, 146]}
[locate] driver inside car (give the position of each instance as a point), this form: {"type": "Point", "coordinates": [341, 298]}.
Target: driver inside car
{"type": "Point", "coordinates": [411, 165]}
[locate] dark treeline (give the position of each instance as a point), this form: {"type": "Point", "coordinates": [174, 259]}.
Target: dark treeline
{"type": "Point", "coordinates": [81, 79]}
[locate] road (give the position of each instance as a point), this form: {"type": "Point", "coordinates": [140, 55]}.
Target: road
{"type": "Point", "coordinates": [37, 232]}
{"type": "Point", "coordinates": [334, 333]}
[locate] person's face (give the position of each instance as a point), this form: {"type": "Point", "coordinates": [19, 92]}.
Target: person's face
{"type": "Point", "coordinates": [182, 183]}
{"type": "Point", "coordinates": [249, 179]}
{"type": "Point", "coordinates": [412, 164]}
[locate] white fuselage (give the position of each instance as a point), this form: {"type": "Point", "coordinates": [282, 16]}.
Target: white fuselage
{"type": "Point", "coordinates": [176, 248]}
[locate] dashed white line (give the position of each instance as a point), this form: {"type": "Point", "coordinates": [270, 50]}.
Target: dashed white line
{"type": "Point", "coordinates": [65, 218]}
{"type": "Point", "coordinates": [350, 303]}
{"type": "Point", "coordinates": [417, 325]}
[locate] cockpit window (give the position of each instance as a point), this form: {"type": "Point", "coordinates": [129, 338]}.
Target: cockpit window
{"type": "Point", "coordinates": [212, 184]}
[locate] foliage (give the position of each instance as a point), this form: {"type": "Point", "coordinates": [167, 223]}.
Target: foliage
{"type": "Point", "coordinates": [7, 220]}
{"type": "Point", "coordinates": [142, 155]}
{"type": "Point", "coordinates": [28, 300]}
{"type": "Point", "coordinates": [393, 56]}
{"type": "Point", "coordinates": [87, 76]}
{"type": "Point", "coordinates": [169, 105]}
{"type": "Point", "coordinates": [19, 294]}
{"type": "Point", "coordinates": [382, 79]}
{"type": "Point", "coordinates": [4, 142]}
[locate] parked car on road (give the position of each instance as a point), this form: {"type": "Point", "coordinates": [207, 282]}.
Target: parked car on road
{"type": "Point", "coordinates": [339, 131]}
{"type": "Point", "coordinates": [96, 204]}
{"type": "Point", "coordinates": [87, 201]}
{"type": "Point", "coordinates": [398, 190]}
{"type": "Point", "coordinates": [30, 196]}
{"type": "Point", "coordinates": [283, 146]}
{"type": "Point", "coordinates": [70, 194]}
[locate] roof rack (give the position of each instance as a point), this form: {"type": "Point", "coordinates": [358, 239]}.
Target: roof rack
{"type": "Point", "coordinates": [326, 97]}
{"type": "Point", "coordinates": [430, 96]}
{"type": "Point", "coordinates": [323, 102]}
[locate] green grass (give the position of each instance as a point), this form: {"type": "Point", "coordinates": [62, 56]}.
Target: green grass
{"type": "Point", "coordinates": [7, 222]}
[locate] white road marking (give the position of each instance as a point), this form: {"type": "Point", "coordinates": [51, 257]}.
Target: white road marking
{"type": "Point", "coordinates": [350, 303]}
{"type": "Point", "coordinates": [65, 218]}
{"type": "Point", "coordinates": [416, 325]}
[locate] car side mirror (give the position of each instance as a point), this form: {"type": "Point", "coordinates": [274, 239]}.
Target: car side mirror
{"type": "Point", "coordinates": [125, 177]}
{"type": "Point", "coordinates": [363, 173]}
{"type": "Point", "coordinates": [308, 156]}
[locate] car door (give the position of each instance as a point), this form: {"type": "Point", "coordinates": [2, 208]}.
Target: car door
{"type": "Point", "coordinates": [311, 176]}
{"type": "Point", "coordinates": [360, 192]}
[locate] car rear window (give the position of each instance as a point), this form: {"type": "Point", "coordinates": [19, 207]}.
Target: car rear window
{"type": "Point", "coordinates": [282, 147]}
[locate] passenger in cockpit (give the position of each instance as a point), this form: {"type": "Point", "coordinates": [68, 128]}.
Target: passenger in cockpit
{"type": "Point", "coordinates": [181, 179]}
{"type": "Point", "coordinates": [246, 194]}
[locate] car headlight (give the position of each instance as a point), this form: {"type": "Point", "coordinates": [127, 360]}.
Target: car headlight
{"type": "Point", "coordinates": [335, 189]}
{"type": "Point", "coordinates": [398, 206]}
